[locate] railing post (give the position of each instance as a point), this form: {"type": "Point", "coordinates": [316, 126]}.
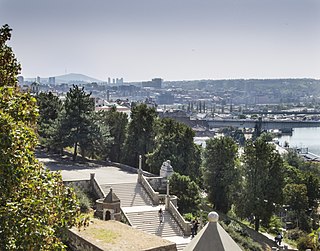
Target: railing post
{"type": "Point", "coordinates": [140, 169]}
{"type": "Point", "coordinates": [167, 196]}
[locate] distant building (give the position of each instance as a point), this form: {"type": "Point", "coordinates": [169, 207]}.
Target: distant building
{"type": "Point", "coordinates": [165, 99]}
{"type": "Point", "coordinates": [38, 80]}
{"type": "Point", "coordinates": [155, 83]}
{"type": "Point", "coordinates": [21, 80]}
{"type": "Point", "coordinates": [120, 108]}
{"type": "Point", "coordinates": [34, 88]}
{"type": "Point", "coordinates": [109, 80]}
{"type": "Point", "coordinates": [52, 80]}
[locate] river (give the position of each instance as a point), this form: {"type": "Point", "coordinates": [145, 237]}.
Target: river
{"type": "Point", "coordinates": [305, 138]}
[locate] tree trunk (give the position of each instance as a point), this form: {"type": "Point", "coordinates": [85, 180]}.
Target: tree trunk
{"type": "Point", "coordinates": [74, 157]}
{"type": "Point", "coordinates": [256, 224]}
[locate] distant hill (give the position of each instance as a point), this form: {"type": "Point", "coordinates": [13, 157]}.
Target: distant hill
{"type": "Point", "coordinates": [75, 77]}
{"type": "Point", "coordinates": [71, 77]}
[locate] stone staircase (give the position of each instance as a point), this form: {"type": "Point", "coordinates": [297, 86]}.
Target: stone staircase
{"type": "Point", "coordinates": [148, 221]}
{"type": "Point", "coordinates": [130, 194]}
{"type": "Point", "coordinates": [143, 215]}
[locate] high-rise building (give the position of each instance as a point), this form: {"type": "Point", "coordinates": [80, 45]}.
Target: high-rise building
{"type": "Point", "coordinates": [52, 80]}
{"type": "Point", "coordinates": [155, 83]}
{"type": "Point", "coordinates": [109, 80]}
{"type": "Point", "coordinates": [38, 80]}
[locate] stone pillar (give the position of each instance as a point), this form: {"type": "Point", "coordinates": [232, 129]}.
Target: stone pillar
{"type": "Point", "coordinates": [167, 202]}
{"type": "Point", "coordinates": [166, 169]}
{"type": "Point", "coordinates": [91, 185]}
{"type": "Point", "coordinates": [140, 169]}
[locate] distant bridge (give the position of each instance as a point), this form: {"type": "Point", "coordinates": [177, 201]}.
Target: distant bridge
{"type": "Point", "coordinates": [283, 112]}
{"type": "Point", "coordinates": [285, 125]}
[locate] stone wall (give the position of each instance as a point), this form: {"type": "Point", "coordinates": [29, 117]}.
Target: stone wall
{"type": "Point", "coordinates": [77, 243]}
{"type": "Point", "coordinates": [89, 186]}
{"type": "Point", "coordinates": [95, 188]}
{"type": "Point", "coordinates": [158, 184]}
{"type": "Point", "coordinates": [84, 185]}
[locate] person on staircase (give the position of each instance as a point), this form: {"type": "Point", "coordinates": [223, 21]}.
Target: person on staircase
{"type": "Point", "coordinates": [194, 227]}
{"type": "Point", "coordinates": [161, 216]}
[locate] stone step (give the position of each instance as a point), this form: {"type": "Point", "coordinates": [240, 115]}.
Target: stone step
{"type": "Point", "coordinates": [148, 221]}
{"type": "Point", "coordinates": [130, 194]}
{"type": "Point", "coordinates": [133, 195]}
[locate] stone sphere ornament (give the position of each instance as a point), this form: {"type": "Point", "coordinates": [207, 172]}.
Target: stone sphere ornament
{"type": "Point", "coordinates": [213, 217]}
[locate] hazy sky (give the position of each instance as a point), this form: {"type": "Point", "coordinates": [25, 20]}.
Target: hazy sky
{"type": "Point", "coordinates": [171, 39]}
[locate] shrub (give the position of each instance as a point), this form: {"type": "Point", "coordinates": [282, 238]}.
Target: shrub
{"type": "Point", "coordinates": [84, 201]}
{"type": "Point", "coordinates": [240, 236]}
{"type": "Point", "coordinates": [295, 234]}
{"type": "Point", "coordinates": [304, 243]}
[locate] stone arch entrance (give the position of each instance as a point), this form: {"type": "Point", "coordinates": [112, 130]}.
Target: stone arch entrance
{"type": "Point", "coordinates": [107, 215]}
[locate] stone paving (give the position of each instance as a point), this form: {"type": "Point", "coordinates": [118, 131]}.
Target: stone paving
{"type": "Point", "coordinates": [70, 170]}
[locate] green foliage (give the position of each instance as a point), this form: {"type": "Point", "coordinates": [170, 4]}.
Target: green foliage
{"type": "Point", "coordinates": [305, 243]}
{"type": "Point", "coordinates": [141, 134]}
{"type": "Point", "coordinates": [240, 235]}
{"type": "Point", "coordinates": [117, 123]}
{"type": "Point", "coordinates": [263, 181]}
{"type": "Point", "coordinates": [78, 106]}
{"type": "Point", "coordinates": [187, 191]}
{"type": "Point", "coordinates": [35, 206]}
{"type": "Point", "coordinates": [84, 201]}
{"type": "Point", "coordinates": [295, 234]}
{"type": "Point", "coordinates": [274, 225]}
{"type": "Point", "coordinates": [73, 124]}
{"type": "Point", "coordinates": [9, 66]}
{"type": "Point", "coordinates": [220, 173]}
{"type": "Point", "coordinates": [293, 159]}
{"type": "Point", "coordinates": [50, 107]}
{"type": "Point", "coordinates": [296, 196]}
{"type": "Point", "coordinates": [174, 142]}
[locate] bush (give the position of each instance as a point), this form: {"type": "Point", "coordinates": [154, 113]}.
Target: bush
{"type": "Point", "coordinates": [274, 225]}
{"type": "Point", "coordinates": [295, 234]}
{"type": "Point", "coordinates": [84, 201]}
{"type": "Point", "coordinates": [188, 216]}
{"type": "Point", "coordinates": [240, 236]}
{"type": "Point", "coordinates": [304, 243]}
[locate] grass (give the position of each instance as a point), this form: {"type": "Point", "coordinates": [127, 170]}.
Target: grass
{"type": "Point", "coordinates": [105, 235]}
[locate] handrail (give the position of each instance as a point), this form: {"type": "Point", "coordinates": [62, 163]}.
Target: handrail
{"type": "Point", "coordinates": [185, 225]}
{"type": "Point", "coordinates": [126, 219]}
{"type": "Point", "coordinates": [97, 188]}
{"type": "Point", "coordinates": [154, 195]}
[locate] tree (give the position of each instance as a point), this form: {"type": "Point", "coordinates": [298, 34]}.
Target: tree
{"type": "Point", "coordinates": [263, 181]}
{"type": "Point", "coordinates": [296, 197]}
{"type": "Point", "coordinates": [220, 172]}
{"type": "Point", "coordinates": [117, 123]}
{"type": "Point", "coordinates": [141, 134]}
{"type": "Point", "coordinates": [174, 142]}
{"type": "Point", "coordinates": [77, 124]}
{"type": "Point", "coordinates": [35, 206]}
{"type": "Point", "coordinates": [187, 191]}
{"type": "Point", "coordinates": [50, 106]}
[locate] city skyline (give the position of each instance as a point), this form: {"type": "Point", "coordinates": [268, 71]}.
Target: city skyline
{"type": "Point", "coordinates": [175, 40]}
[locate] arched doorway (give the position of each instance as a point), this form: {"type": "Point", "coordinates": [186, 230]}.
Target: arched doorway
{"type": "Point", "coordinates": [108, 215]}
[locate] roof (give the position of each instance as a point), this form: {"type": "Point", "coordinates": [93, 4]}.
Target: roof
{"type": "Point", "coordinates": [111, 197]}
{"type": "Point", "coordinates": [212, 237]}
